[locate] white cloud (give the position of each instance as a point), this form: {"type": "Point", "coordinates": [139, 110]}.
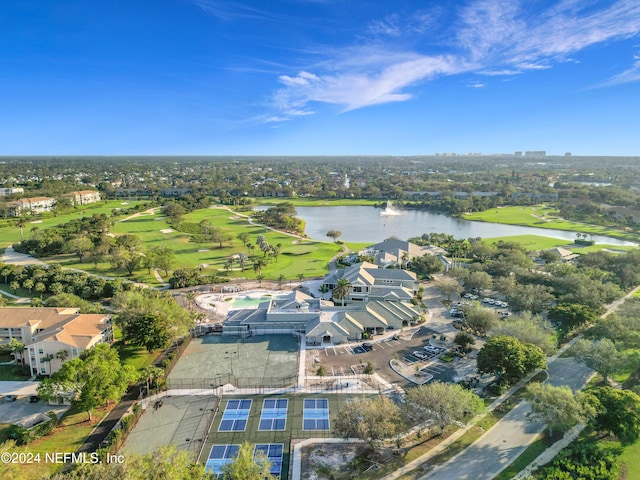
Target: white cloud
{"type": "Point", "coordinates": [489, 37]}
{"type": "Point", "coordinates": [628, 76]}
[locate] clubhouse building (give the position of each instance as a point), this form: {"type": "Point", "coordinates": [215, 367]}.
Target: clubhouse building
{"type": "Point", "coordinates": [381, 303]}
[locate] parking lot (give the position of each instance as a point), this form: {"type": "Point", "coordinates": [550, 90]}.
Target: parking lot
{"type": "Point", "coordinates": [339, 360]}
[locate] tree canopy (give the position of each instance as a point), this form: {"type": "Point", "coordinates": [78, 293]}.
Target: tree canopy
{"type": "Point", "coordinates": [600, 355]}
{"type": "Point", "coordinates": [510, 358]}
{"type": "Point", "coordinates": [442, 403]}
{"type": "Point", "coordinates": [151, 319]}
{"type": "Point", "coordinates": [247, 466]}
{"type": "Point", "coordinates": [619, 413]}
{"type": "Point", "coordinates": [372, 420]}
{"type": "Point", "coordinates": [528, 328]}
{"type": "Point", "coordinates": [559, 407]}
{"type": "Point", "coordinates": [93, 379]}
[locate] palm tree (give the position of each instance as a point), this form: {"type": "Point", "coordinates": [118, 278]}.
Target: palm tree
{"type": "Point", "coordinates": [16, 347]}
{"type": "Point", "coordinates": [260, 277]}
{"type": "Point", "coordinates": [62, 355]}
{"type": "Point", "coordinates": [281, 278]}
{"type": "Point", "coordinates": [242, 260]}
{"type": "Point", "coordinates": [21, 223]}
{"type": "Point", "coordinates": [151, 375]}
{"type": "Point", "coordinates": [343, 287]}
{"type": "Point", "coordinates": [300, 276]}
{"type": "Point", "coordinates": [191, 298]}
{"type": "Point", "coordinates": [405, 259]}
{"type": "Point", "coordinates": [47, 358]}
{"type": "Point", "coordinates": [257, 266]}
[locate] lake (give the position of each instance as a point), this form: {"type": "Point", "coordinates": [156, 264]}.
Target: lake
{"type": "Point", "coordinates": [372, 225]}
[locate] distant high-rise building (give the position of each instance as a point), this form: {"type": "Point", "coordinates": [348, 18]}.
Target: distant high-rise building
{"type": "Point", "coordinates": [535, 154]}
{"type": "Point", "coordinates": [517, 154]}
{"type": "Point", "coordinates": [568, 154]}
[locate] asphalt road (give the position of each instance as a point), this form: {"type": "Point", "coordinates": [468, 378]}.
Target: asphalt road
{"type": "Point", "coordinates": [510, 436]}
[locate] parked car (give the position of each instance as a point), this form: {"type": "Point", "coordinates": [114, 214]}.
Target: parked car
{"type": "Point", "coordinates": [419, 355]}
{"type": "Point", "coordinates": [10, 398]}
{"type": "Point", "coordinates": [34, 399]}
{"type": "Point", "coordinates": [367, 347]}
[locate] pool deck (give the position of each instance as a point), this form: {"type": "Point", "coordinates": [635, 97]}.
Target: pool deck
{"type": "Point", "coordinates": [220, 303]}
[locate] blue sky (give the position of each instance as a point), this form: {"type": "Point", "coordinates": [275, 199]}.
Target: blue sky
{"type": "Point", "coordinates": [319, 77]}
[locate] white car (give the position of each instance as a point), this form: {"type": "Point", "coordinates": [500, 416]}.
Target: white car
{"type": "Point", "coordinates": [419, 355]}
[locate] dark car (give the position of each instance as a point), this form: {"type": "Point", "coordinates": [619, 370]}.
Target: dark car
{"type": "Point", "coordinates": [367, 347]}
{"type": "Point", "coordinates": [33, 399]}
{"type": "Point", "coordinates": [10, 398]}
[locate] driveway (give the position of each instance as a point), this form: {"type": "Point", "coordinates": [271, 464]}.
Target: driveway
{"type": "Point", "coordinates": [511, 435]}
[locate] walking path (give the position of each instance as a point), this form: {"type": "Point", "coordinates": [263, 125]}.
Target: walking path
{"type": "Point", "coordinates": [500, 450]}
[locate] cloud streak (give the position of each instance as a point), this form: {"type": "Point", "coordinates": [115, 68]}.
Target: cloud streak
{"type": "Point", "coordinates": [489, 37]}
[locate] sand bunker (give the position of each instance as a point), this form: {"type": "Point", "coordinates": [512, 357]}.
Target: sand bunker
{"type": "Point", "coordinates": [167, 230]}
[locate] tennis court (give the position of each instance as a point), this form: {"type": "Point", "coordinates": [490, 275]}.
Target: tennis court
{"type": "Point", "coordinates": [315, 414]}
{"type": "Point", "coordinates": [214, 360]}
{"type": "Point", "coordinates": [221, 455]}
{"type": "Point", "coordinates": [179, 420]}
{"type": "Point", "coordinates": [234, 418]}
{"type": "Point", "coordinates": [274, 414]}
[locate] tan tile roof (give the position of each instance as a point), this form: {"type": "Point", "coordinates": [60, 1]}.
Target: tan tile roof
{"type": "Point", "coordinates": [59, 324]}
{"type": "Point", "coordinates": [14, 317]}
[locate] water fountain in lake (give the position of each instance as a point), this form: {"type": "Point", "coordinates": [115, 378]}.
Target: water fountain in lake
{"type": "Point", "coordinates": [390, 210]}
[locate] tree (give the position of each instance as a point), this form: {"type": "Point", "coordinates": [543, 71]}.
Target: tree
{"type": "Point", "coordinates": [17, 348]}
{"type": "Point", "coordinates": [600, 355]}
{"type": "Point", "coordinates": [242, 260]}
{"type": "Point", "coordinates": [572, 314]}
{"type": "Point", "coordinates": [342, 289]}
{"type": "Point", "coordinates": [81, 245]}
{"type": "Point", "coordinates": [449, 286]}
{"type": "Point", "coordinates": [281, 279]}
{"type": "Point", "coordinates": [90, 381]}
{"type": "Point", "coordinates": [334, 234]}
{"type": "Point", "coordinates": [164, 463]}
{"type": "Point", "coordinates": [247, 466]}
{"type": "Point", "coordinates": [510, 358]}
{"type": "Point", "coordinates": [150, 375]}
{"type": "Point", "coordinates": [442, 404]}
{"type": "Point", "coordinates": [426, 265]}
{"type": "Point", "coordinates": [244, 238]}
{"type": "Point", "coordinates": [151, 319]}
{"type": "Point", "coordinates": [47, 358]}
{"type": "Point", "coordinates": [532, 298]}
{"type": "Point", "coordinates": [21, 223]}
{"type": "Point", "coordinates": [559, 407]}
{"type": "Point", "coordinates": [62, 355]}
{"type": "Point", "coordinates": [464, 340]}
{"type": "Point", "coordinates": [163, 257]}
{"type": "Point", "coordinates": [479, 318]}
{"type": "Point", "coordinates": [619, 413]}
{"type": "Point", "coordinates": [260, 278]}
{"type": "Point", "coordinates": [371, 420]}
{"type": "Point", "coordinates": [528, 329]}
{"type": "Point", "coordinates": [478, 281]}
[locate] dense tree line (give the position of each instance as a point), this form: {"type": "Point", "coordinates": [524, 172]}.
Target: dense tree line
{"type": "Point", "coordinates": [52, 279]}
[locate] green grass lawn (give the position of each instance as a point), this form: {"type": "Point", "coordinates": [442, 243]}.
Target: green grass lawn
{"type": "Point", "coordinates": [9, 233]}
{"type": "Point", "coordinates": [629, 461]}
{"type": "Point", "coordinates": [12, 373]}
{"type": "Point", "coordinates": [67, 437]}
{"type": "Point", "coordinates": [532, 242]}
{"type": "Point", "coordinates": [137, 357]}
{"type": "Point", "coordinates": [543, 216]}
{"type": "Point", "coordinates": [297, 255]}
